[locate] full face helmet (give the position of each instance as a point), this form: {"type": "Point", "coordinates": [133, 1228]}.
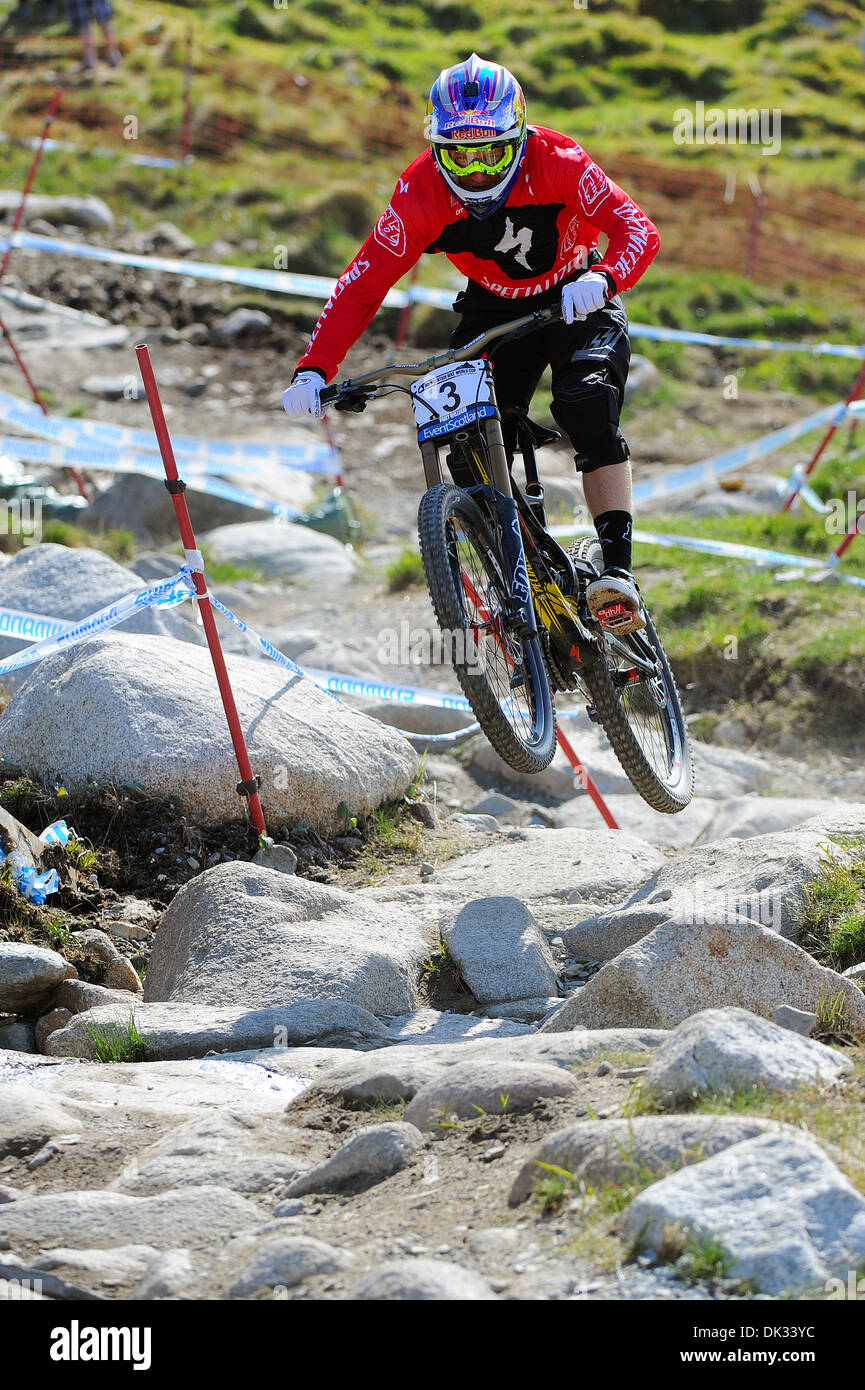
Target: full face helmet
{"type": "Point", "coordinates": [476, 126]}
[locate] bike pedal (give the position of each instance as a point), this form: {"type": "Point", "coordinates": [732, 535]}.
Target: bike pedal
{"type": "Point", "coordinates": [615, 616]}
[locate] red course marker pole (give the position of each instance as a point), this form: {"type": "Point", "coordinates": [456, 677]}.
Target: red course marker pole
{"type": "Point", "coordinates": [248, 786]}
{"type": "Point", "coordinates": [16, 222]}
{"type": "Point", "coordinates": [28, 182]}
{"type": "Point", "coordinates": [585, 780]}
{"type": "Point", "coordinates": [855, 393]}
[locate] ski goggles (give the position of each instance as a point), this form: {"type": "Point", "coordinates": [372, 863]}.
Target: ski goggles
{"type": "Point", "coordinates": [476, 159]}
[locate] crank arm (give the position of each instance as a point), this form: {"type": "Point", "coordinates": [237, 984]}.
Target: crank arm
{"type": "Point", "coordinates": [649, 668]}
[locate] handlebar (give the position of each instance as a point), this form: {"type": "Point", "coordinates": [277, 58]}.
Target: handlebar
{"type": "Point", "coordinates": [353, 390]}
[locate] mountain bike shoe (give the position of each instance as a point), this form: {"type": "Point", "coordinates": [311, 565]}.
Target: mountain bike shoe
{"type": "Point", "coordinates": [614, 600]}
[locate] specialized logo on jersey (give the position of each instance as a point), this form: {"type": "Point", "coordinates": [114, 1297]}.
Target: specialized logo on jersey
{"type": "Point", "coordinates": [523, 241]}
{"type": "Point", "coordinates": [390, 232]}
{"type": "Point", "coordinates": [594, 187]}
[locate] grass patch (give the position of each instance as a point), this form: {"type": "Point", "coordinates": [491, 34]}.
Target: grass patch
{"type": "Point", "coordinates": [833, 920]}
{"type": "Point", "coordinates": [405, 572]}
{"type": "Point", "coordinates": [121, 1043]}
{"type": "Point", "coordinates": [224, 572]}
{"type": "Point", "coordinates": [115, 541]}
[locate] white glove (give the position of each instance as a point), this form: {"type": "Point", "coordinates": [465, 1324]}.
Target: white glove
{"type": "Point", "coordinates": [303, 395]}
{"type": "Point", "coordinates": [584, 296]}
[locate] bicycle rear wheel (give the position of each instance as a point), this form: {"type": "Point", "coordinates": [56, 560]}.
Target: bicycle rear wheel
{"type": "Point", "coordinates": [504, 679]}
{"type": "Point", "coordinates": [642, 716]}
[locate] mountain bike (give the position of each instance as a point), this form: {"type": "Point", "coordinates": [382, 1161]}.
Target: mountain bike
{"type": "Point", "coordinates": [509, 599]}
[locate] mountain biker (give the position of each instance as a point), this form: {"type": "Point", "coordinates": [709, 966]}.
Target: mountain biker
{"type": "Point", "coordinates": [517, 209]}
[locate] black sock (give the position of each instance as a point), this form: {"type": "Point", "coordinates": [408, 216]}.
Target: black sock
{"type": "Point", "coordinates": [614, 533]}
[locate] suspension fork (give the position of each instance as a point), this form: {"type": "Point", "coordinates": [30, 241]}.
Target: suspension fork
{"type": "Point", "coordinates": [522, 616]}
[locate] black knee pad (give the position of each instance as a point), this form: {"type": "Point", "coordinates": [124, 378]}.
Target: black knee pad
{"type": "Point", "coordinates": [588, 411]}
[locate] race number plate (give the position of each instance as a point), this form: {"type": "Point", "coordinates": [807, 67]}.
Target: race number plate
{"type": "Point", "coordinates": [450, 398]}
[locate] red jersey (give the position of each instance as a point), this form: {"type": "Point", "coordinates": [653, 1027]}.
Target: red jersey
{"type": "Point", "coordinates": [559, 203]}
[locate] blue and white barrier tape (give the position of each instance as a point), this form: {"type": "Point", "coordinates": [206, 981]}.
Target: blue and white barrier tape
{"type": "Point", "coordinates": [323, 678]}
{"type": "Point", "coordinates": [280, 281]}
{"type": "Point", "coordinates": [218, 456]}
{"type": "Point", "coordinates": [730, 550]}
{"type": "Point", "coordinates": [707, 470]}
{"type": "Point", "coordinates": [167, 593]}
{"type": "Point", "coordinates": [320, 287]}
{"type": "Point", "coordinates": [677, 335]}
{"type": "Point", "coordinates": [66, 456]}
{"type": "Point", "coordinates": [29, 626]}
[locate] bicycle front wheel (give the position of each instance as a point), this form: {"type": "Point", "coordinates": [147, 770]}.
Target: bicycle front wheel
{"type": "Point", "coordinates": [504, 678]}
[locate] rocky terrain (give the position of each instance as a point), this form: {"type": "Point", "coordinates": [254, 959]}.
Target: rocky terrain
{"type": "Point", "coordinates": [447, 1036]}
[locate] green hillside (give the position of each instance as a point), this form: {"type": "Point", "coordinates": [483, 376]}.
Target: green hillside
{"type": "Point", "coordinates": [613, 71]}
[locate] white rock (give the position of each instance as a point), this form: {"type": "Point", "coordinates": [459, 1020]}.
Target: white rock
{"type": "Point", "coordinates": [123, 1265]}
{"type": "Point", "coordinates": [169, 1274]}
{"type": "Point", "coordinates": [680, 969]}
{"type": "Point", "coordinates": [500, 950]}
{"type": "Point", "coordinates": [548, 868]}
{"type": "Point", "coordinates": [194, 1216]}
{"type": "Point", "coordinates": [742, 817]}
{"type": "Point", "coordinates": [431, 1028]}
{"type": "Point", "coordinates": [282, 550]}
{"type": "Point", "coordinates": [787, 1217]}
{"type": "Point", "coordinates": [399, 1072]}
{"type": "Point", "coordinates": [28, 1118]}
{"type": "Point", "coordinates": [372, 1154]}
{"type": "Point", "coordinates": [496, 1088]}
{"type": "Point", "coordinates": [241, 321]}
{"type": "Point", "coordinates": [312, 752]}
{"type": "Point", "coordinates": [87, 211]}
{"type": "Point", "coordinates": [733, 1050]}
{"type": "Point", "coordinates": [797, 1020]}
{"type": "Point", "coordinates": [29, 976]}
{"type": "Point", "coordinates": [70, 582]}
{"type": "Point", "coordinates": [420, 1280]}
{"type": "Point", "coordinates": [596, 1152]}
{"type": "Point", "coordinates": [299, 941]}
{"type": "Point", "coordinates": [524, 1010]}
{"type": "Point", "coordinates": [286, 1261]}
{"type": "Point", "coordinates": [178, 1030]}
{"type": "Point", "coordinates": [762, 878]}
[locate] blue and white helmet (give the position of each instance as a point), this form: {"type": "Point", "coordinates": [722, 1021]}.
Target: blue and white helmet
{"type": "Point", "coordinates": [476, 124]}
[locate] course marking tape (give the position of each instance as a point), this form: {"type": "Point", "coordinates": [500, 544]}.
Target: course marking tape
{"type": "Point", "coordinates": [219, 455]}
{"type": "Point", "coordinates": [707, 470]}
{"type": "Point", "coordinates": [320, 287]}
{"type": "Point", "coordinates": [730, 550]}
{"type": "Point", "coordinates": [166, 593]}
{"type": "Point", "coordinates": [64, 456]}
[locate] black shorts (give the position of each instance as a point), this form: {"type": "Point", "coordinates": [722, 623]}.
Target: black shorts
{"type": "Point", "coordinates": [589, 362]}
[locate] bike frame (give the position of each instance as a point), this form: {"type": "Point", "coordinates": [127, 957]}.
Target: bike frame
{"type": "Point", "coordinates": [526, 545]}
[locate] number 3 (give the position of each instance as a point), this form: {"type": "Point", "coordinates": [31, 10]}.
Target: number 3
{"type": "Point", "coordinates": [453, 403]}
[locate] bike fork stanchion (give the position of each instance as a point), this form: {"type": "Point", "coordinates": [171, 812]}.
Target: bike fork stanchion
{"type": "Point", "coordinates": [585, 780]}
{"type": "Point", "coordinates": [798, 478]}
{"type": "Point", "coordinates": [248, 785]}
